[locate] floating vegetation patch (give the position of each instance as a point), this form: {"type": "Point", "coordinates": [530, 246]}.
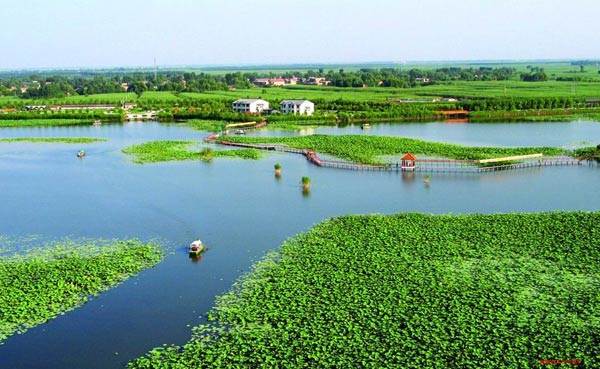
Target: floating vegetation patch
{"type": "Point", "coordinates": [59, 140]}
{"type": "Point", "coordinates": [159, 151]}
{"type": "Point", "coordinates": [367, 149]}
{"type": "Point", "coordinates": [40, 284]}
{"type": "Point", "coordinates": [411, 291]}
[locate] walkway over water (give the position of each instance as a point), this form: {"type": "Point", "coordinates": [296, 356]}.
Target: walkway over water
{"type": "Point", "coordinates": [420, 165]}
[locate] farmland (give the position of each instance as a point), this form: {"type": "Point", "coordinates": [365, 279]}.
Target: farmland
{"type": "Point", "coordinates": [411, 291]}
{"type": "Point", "coordinates": [110, 98]}
{"type": "Point", "coordinates": [568, 92]}
{"type": "Point", "coordinates": [160, 151]}
{"type": "Point", "coordinates": [39, 285]}
{"type": "Point", "coordinates": [368, 149]}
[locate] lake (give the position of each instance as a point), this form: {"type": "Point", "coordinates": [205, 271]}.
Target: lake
{"type": "Point", "coordinates": [237, 208]}
{"type": "Point", "coordinates": [558, 134]}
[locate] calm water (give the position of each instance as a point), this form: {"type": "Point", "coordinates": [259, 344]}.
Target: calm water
{"type": "Point", "coordinates": [236, 207]}
{"type": "Point", "coordinates": [568, 135]}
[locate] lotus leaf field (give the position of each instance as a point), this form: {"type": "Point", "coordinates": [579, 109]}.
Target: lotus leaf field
{"type": "Point", "coordinates": [160, 151]}
{"type": "Point", "coordinates": [411, 291]}
{"type": "Point", "coordinates": [367, 149]}
{"type": "Point", "coordinates": [39, 285]}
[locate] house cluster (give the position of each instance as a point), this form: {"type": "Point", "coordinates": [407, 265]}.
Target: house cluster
{"type": "Point", "coordinates": [280, 81]}
{"type": "Point", "coordinates": [277, 82]}
{"type": "Point", "coordinates": [258, 106]}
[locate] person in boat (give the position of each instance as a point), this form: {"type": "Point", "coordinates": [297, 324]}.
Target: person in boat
{"type": "Point", "coordinates": [196, 247]}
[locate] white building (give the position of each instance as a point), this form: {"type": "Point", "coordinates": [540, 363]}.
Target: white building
{"type": "Point", "coordinates": [253, 106]}
{"type": "Point", "coordinates": [303, 107]}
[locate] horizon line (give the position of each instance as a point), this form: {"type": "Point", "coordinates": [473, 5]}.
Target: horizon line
{"type": "Point", "coordinates": [295, 64]}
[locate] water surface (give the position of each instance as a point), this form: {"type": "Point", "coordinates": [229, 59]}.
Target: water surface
{"type": "Point", "coordinates": [558, 134]}
{"type": "Point", "coordinates": [236, 207]}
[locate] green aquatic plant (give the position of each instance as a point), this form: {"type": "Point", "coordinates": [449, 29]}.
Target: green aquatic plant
{"type": "Point", "coordinates": [160, 151]}
{"type": "Point", "coordinates": [588, 153]}
{"type": "Point", "coordinates": [305, 183]}
{"type": "Point", "coordinates": [38, 285]}
{"type": "Point", "coordinates": [367, 149]}
{"type": "Point", "coordinates": [411, 291]}
{"type": "Point", "coordinates": [59, 140]}
{"type": "Point", "coordinates": [43, 122]}
{"type": "Point", "coordinates": [277, 167]}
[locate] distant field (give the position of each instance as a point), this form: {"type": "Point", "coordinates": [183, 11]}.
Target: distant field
{"type": "Point", "coordinates": [512, 89]}
{"type": "Point", "coordinates": [113, 98]}
{"type": "Point", "coordinates": [166, 96]}
{"type": "Point", "coordinates": [487, 89]}
{"type": "Point", "coordinates": [313, 93]}
{"type": "Point", "coordinates": [554, 69]}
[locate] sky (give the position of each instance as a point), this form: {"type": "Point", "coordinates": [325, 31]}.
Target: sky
{"type": "Point", "coordinates": [114, 33]}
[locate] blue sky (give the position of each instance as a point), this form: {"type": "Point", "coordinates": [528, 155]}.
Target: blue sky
{"type": "Point", "coordinates": [92, 33]}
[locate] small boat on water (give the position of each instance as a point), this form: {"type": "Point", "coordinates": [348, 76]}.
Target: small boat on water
{"type": "Point", "coordinates": [196, 248]}
{"type": "Point", "coordinates": [80, 154]}
{"type": "Point", "coordinates": [365, 126]}
{"type": "Point", "coordinates": [240, 132]}
{"type": "Point", "coordinates": [97, 123]}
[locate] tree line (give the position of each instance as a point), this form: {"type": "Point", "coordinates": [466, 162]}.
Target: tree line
{"type": "Point", "coordinates": [61, 85]}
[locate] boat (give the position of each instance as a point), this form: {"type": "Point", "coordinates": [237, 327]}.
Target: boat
{"type": "Point", "coordinates": [80, 154]}
{"type": "Point", "coordinates": [365, 126]}
{"type": "Point", "coordinates": [240, 132]}
{"type": "Point", "coordinates": [196, 248]}
{"type": "Point", "coordinates": [97, 123]}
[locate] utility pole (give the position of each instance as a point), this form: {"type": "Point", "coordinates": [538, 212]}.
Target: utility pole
{"type": "Point", "coordinates": [155, 70]}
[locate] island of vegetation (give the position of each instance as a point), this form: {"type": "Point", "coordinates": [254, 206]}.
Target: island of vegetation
{"type": "Point", "coordinates": [43, 122]}
{"type": "Point", "coordinates": [41, 284]}
{"type": "Point", "coordinates": [160, 151]}
{"type": "Point", "coordinates": [60, 140]}
{"type": "Point", "coordinates": [411, 291]}
{"type": "Point", "coordinates": [369, 149]}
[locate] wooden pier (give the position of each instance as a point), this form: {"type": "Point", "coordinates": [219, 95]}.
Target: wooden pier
{"type": "Point", "coordinates": [420, 165]}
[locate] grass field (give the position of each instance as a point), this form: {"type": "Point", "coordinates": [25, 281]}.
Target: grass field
{"type": "Point", "coordinates": [39, 285]}
{"type": "Point", "coordinates": [369, 149]}
{"type": "Point", "coordinates": [512, 89]}
{"type": "Point", "coordinates": [411, 291]}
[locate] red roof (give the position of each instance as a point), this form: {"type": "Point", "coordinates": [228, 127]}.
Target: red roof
{"type": "Point", "coordinates": [409, 156]}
